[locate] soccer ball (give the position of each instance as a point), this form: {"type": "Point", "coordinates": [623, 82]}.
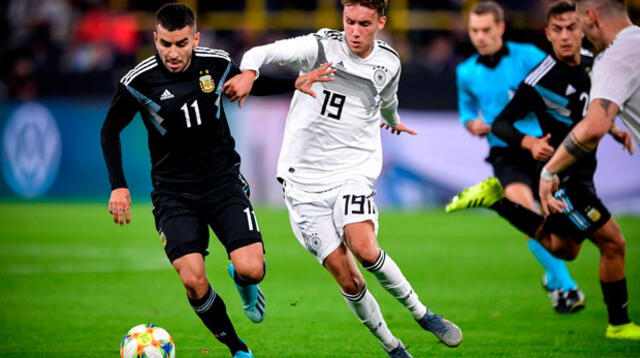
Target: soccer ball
{"type": "Point", "coordinates": [147, 341]}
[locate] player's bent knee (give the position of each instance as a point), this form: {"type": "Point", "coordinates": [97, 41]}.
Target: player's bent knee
{"type": "Point", "coordinates": [368, 256]}
{"type": "Point", "coordinates": [251, 273]}
{"type": "Point", "coordinates": [565, 250]}
{"type": "Point", "coordinates": [352, 287]}
{"type": "Point", "coordinates": [195, 284]}
{"type": "Point", "coordinates": [615, 247]}
{"type": "Point", "coordinates": [565, 253]}
{"type": "Point", "coordinates": [351, 284]}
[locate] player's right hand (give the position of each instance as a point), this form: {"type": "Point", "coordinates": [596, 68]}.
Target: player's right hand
{"type": "Point", "coordinates": [321, 74]}
{"type": "Point", "coordinates": [549, 204]}
{"type": "Point", "coordinates": [239, 86]}
{"type": "Point", "coordinates": [540, 149]}
{"type": "Point", "coordinates": [478, 128]}
{"type": "Point", "coordinates": [120, 206]}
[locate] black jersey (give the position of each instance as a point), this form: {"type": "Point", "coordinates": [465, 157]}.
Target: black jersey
{"type": "Point", "coordinates": [558, 94]}
{"type": "Point", "coordinates": [189, 139]}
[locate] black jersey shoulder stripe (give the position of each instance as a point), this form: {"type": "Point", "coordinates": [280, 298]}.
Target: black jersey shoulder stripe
{"type": "Point", "coordinates": [130, 79]}
{"type": "Point", "coordinates": [137, 71]}
{"type": "Point", "coordinates": [210, 50]}
{"type": "Point", "coordinates": [213, 55]}
{"type": "Point", "coordinates": [329, 34]}
{"type": "Point", "coordinates": [539, 72]}
{"type": "Point", "coordinates": [138, 67]}
{"type": "Point", "coordinates": [134, 73]}
{"type": "Point", "coordinates": [383, 45]}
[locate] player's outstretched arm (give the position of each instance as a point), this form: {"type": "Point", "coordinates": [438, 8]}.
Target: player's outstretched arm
{"type": "Point", "coordinates": [120, 206]}
{"type": "Point", "coordinates": [121, 113]}
{"type": "Point", "coordinates": [240, 86]}
{"type": "Point", "coordinates": [399, 128]}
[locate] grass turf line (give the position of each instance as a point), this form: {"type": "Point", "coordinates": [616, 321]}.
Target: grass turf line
{"type": "Point", "coordinates": [72, 283]}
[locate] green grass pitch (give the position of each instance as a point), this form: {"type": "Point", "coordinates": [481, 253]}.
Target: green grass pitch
{"type": "Point", "coordinates": [72, 283]}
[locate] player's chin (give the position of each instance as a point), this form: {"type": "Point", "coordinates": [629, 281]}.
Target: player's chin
{"type": "Point", "coordinates": [174, 66]}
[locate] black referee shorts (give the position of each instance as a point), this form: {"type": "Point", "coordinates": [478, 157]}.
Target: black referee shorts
{"type": "Point", "coordinates": [514, 165]}
{"type": "Point", "coordinates": [584, 214]}
{"type": "Point", "coordinates": [183, 220]}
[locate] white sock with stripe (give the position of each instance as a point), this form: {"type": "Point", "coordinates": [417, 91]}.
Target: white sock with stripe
{"type": "Point", "coordinates": [392, 279]}
{"type": "Point", "coordinates": [366, 308]}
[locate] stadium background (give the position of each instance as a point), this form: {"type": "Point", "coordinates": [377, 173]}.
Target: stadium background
{"type": "Point", "coordinates": [62, 60]}
{"type": "Point", "coordinates": [71, 283]}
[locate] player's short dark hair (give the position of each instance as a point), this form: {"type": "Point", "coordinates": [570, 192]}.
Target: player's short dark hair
{"type": "Point", "coordinates": [175, 16]}
{"type": "Point", "coordinates": [489, 7]}
{"type": "Point", "coordinates": [559, 7]}
{"type": "Point", "coordinates": [379, 5]}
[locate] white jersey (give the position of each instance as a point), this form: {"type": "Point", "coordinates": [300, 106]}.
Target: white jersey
{"type": "Point", "coordinates": [334, 138]}
{"type": "Point", "coordinates": [616, 77]}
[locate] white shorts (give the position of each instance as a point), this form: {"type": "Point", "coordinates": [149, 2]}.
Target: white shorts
{"type": "Point", "coordinates": [318, 219]}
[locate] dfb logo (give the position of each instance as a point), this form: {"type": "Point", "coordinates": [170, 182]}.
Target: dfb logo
{"type": "Point", "coordinates": [31, 150]}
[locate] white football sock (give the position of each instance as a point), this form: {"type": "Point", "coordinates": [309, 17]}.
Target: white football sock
{"type": "Point", "coordinates": [366, 308]}
{"type": "Point", "coordinates": [392, 279]}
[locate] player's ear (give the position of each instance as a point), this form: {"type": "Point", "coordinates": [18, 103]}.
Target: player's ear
{"type": "Point", "coordinates": [501, 27]}
{"type": "Point", "coordinates": [593, 16]}
{"type": "Point", "coordinates": [382, 20]}
{"type": "Point", "coordinates": [547, 33]}
{"type": "Point", "coordinates": [196, 39]}
{"type": "Point", "coordinates": [155, 36]}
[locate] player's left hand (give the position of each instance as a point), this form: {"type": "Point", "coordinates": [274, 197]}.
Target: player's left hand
{"type": "Point", "coordinates": [120, 206]}
{"type": "Point", "coordinates": [624, 138]}
{"type": "Point", "coordinates": [239, 86]}
{"type": "Point", "coordinates": [548, 203]}
{"type": "Point", "coordinates": [320, 74]}
{"type": "Point", "coordinates": [398, 129]}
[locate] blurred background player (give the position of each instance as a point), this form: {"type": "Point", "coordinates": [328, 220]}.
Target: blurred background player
{"type": "Point", "coordinates": [615, 91]}
{"type": "Point", "coordinates": [332, 155]}
{"type": "Point", "coordinates": [486, 82]}
{"type": "Point", "coordinates": [195, 169]}
{"type": "Point", "coordinates": [558, 92]}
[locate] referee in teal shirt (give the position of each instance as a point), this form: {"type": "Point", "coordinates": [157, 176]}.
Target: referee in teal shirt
{"type": "Point", "coordinates": [486, 82]}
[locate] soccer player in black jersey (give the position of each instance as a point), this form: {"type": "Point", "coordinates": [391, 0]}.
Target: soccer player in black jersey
{"type": "Point", "coordinates": [558, 92]}
{"type": "Point", "coordinates": [195, 168]}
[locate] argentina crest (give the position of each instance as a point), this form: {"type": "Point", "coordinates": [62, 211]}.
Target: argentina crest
{"type": "Point", "coordinates": [206, 82]}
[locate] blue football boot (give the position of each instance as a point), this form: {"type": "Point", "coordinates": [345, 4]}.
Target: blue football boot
{"type": "Point", "coordinates": [445, 330]}
{"type": "Point", "coordinates": [400, 351]}
{"type": "Point", "coordinates": [243, 354]}
{"type": "Point", "coordinates": [253, 302]}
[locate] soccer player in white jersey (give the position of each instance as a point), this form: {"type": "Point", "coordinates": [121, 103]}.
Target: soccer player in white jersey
{"type": "Point", "coordinates": [332, 155]}
{"type": "Point", "coordinates": [615, 90]}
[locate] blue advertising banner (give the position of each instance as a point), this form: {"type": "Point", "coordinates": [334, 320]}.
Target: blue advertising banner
{"type": "Point", "coordinates": [51, 150]}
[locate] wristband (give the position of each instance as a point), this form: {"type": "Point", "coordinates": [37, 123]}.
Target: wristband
{"type": "Point", "coordinates": [546, 175]}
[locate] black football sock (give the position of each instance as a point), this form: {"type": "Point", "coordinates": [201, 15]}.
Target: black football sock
{"type": "Point", "coordinates": [213, 313]}
{"type": "Point", "coordinates": [517, 215]}
{"type": "Point", "coordinates": [616, 299]}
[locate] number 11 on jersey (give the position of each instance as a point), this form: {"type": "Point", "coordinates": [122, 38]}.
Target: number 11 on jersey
{"type": "Point", "coordinates": [187, 117]}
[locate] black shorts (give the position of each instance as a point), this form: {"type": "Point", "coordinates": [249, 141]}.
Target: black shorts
{"type": "Point", "coordinates": [585, 212]}
{"type": "Point", "coordinates": [183, 220]}
{"type": "Point", "coordinates": [512, 165]}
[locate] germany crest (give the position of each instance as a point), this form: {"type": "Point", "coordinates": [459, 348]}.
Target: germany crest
{"type": "Point", "coordinates": [206, 82]}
